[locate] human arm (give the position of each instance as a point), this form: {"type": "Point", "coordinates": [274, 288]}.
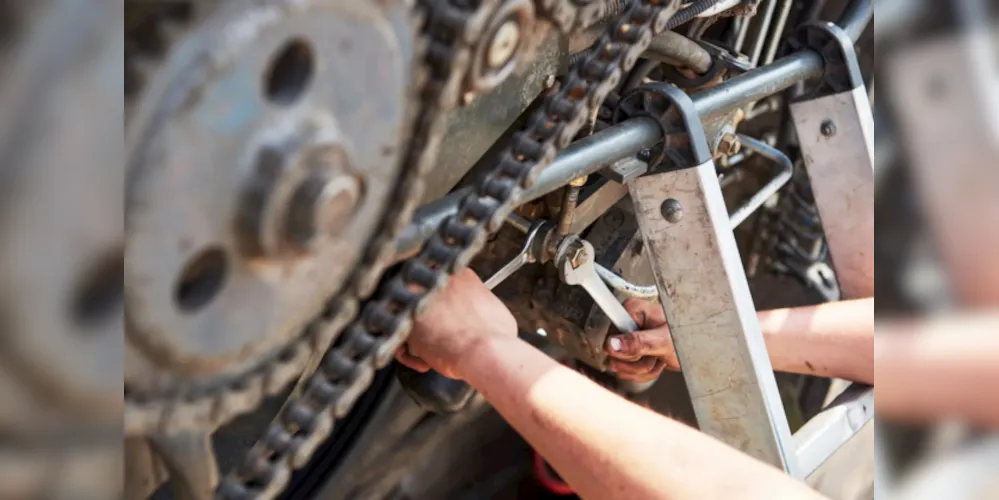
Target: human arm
{"type": "Point", "coordinates": [835, 339]}
{"type": "Point", "coordinates": [932, 369]}
{"type": "Point", "coordinates": [601, 444]}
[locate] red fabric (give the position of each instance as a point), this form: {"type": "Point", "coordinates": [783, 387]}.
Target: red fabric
{"type": "Point", "coordinates": [548, 479]}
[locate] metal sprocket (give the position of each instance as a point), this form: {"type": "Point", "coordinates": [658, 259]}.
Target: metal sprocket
{"type": "Point", "coordinates": [180, 373]}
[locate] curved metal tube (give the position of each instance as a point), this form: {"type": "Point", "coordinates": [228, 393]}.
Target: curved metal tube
{"type": "Point", "coordinates": [783, 176]}
{"type": "Point", "coordinates": [855, 18]}
{"type": "Point", "coordinates": [674, 48]}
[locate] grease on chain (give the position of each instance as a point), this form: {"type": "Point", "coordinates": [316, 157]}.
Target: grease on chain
{"type": "Point", "coordinates": [371, 340]}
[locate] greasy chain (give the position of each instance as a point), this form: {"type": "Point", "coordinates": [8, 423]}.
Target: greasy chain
{"type": "Point", "coordinates": [450, 30]}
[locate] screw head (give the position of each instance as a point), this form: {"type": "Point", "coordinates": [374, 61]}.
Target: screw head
{"type": "Point", "coordinates": [729, 144]}
{"type": "Point", "coordinates": [672, 210]}
{"type": "Point", "coordinates": [503, 44]}
{"type": "Point", "coordinates": [828, 128]}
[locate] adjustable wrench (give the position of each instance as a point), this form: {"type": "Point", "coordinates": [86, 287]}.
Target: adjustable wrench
{"type": "Point", "coordinates": [575, 262]}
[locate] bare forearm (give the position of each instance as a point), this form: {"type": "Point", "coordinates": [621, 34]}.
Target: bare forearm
{"type": "Point", "coordinates": [829, 340]}
{"type": "Point", "coordinates": [939, 368]}
{"type": "Point", "coordinates": [604, 446]}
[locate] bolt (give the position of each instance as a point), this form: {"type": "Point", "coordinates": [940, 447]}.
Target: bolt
{"type": "Point", "coordinates": [828, 128]}
{"type": "Point", "coordinates": [672, 210]}
{"type": "Point", "coordinates": [577, 256]}
{"type": "Point", "coordinates": [729, 144]}
{"type": "Point", "coordinates": [467, 98]}
{"type": "Point", "coordinates": [321, 206]}
{"type": "Point", "coordinates": [549, 81]}
{"type": "Point", "coordinates": [503, 44]}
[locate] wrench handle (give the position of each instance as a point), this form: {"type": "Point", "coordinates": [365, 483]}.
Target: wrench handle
{"type": "Point", "coordinates": [609, 304]}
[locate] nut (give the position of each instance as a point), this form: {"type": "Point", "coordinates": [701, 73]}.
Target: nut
{"type": "Point", "coordinates": [729, 145]}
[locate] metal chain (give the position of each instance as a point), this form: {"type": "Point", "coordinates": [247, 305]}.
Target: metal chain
{"type": "Point", "coordinates": [370, 341]}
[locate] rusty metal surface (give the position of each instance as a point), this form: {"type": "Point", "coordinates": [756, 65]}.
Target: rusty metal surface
{"type": "Point", "coordinates": [710, 312]}
{"type": "Point", "coordinates": [840, 165]}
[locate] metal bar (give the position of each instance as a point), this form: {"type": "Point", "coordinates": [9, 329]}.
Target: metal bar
{"type": "Point", "coordinates": [711, 314]}
{"type": "Point", "coordinates": [591, 154]}
{"type": "Point", "coordinates": [760, 29]}
{"type": "Point", "coordinates": [777, 35]}
{"type": "Point", "coordinates": [786, 170]}
{"type": "Point", "coordinates": [821, 436]}
{"type": "Point", "coordinates": [836, 136]}
{"type": "Point", "coordinates": [583, 157]}
{"type": "Point", "coordinates": [758, 83]}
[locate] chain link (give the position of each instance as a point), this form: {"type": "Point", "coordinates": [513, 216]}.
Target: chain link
{"type": "Point", "coordinates": [370, 341]}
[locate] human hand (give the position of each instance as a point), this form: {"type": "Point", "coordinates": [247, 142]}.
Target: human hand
{"type": "Point", "coordinates": [457, 318]}
{"type": "Point", "coordinates": [642, 355]}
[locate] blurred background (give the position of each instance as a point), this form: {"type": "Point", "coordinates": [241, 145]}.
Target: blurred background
{"type": "Point", "coordinates": [937, 240]}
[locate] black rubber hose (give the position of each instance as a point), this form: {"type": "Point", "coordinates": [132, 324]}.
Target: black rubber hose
{"type": "Point", "coordinates": [689, 13]}
{"type": "Point", "coordinates": [672, 47]}
{"type": "Point", "coordinates": [855, 18]}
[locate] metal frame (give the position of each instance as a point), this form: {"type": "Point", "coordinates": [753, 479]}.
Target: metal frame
{"type": "Point", "coordinates": [709, 309]}
{"type": "Point", "coordinates": [825, 433]}
{"type": "Point", "coordinates": [836, 135]}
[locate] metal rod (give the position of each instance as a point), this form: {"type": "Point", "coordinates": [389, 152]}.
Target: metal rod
{"type": "Point", "coordinates": [761, 31]}
{"type": "Point", "coordinates": [583, 157]}
{"type": "Point", "coordinates": [777, 34]}
{"type": "Point", "coordinates": [589, 155]}
{"type": "Point", "coordinates": [783, 176]}
{"type": "Point", "coordinates": [855, 18]}
{"type": "Point", "coordinates": [758, 83]}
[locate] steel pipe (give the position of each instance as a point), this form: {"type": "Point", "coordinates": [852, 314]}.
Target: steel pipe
{"type": "Point", "coordinates": [757, 84]}
{"type": "Point", "coordinates": [783, 177]}
{"type": "Point", "coordinates": [589, 155]}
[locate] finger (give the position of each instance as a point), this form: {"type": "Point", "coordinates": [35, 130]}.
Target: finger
{"type": "Point", "coordinates": [403, 356]}
{"type": "Point", "coordinates": [634, 345]}
{"type": "Point", "coordinates": [647, 313]}
{"type": "Point", "coordinates": [641, 365]}
{"type": "Point", "coordinates": [644, 370]}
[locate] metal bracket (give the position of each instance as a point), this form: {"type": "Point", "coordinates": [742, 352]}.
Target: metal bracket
{"type": "Point", "coordinates": [842, 71]}
{"type": "Point", "coordinates": [836, 136]}
{"type": "Point", "coordinates": [684, 144]}
{"type": "Point", "coordinates": [710, 312]}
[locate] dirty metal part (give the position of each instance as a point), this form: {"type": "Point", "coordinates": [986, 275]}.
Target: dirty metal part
{"type": "Point", "coordinates": [189, 459]}
{"type": "Point", "coordinates": [711, 315]}
{"type": "Point", "coordinates": [583, 157]}
{"type": "Point", "coordinates": [574, 261]}
{"type": "Point", "coordinates": [596, 202]}
{"type": "Point", "coordinates": [625, 170]}
{"type": "Point", "coordinates": [674, 48]}
{"type": "Point", "coordinates": [589, 155]}
{"type": "Point", "coordinates": [232, 238]}
{"type": "Point", "coordinates": [783, 176]}
{"type": "Point", "coordinates": [567, 210]}
{"type": "Point", "coordinates": [498, 51]}
{"type": "Point", "coordinates": [370, 342]}
{"type": "Point", "coordinates": [473, 130]}
{"type": "Point", "coordinates": [841, 170]}
{"type": "Point", "coordinates": [537, 234]}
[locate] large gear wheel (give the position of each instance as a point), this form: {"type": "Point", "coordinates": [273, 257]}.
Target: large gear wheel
{"type": "Point", "coordinates": [261, 181]}
{"type": "Point", "coordinates": [61, 250]}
